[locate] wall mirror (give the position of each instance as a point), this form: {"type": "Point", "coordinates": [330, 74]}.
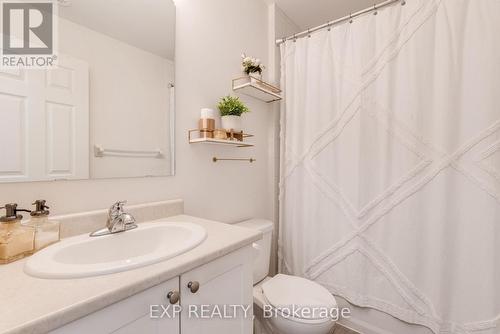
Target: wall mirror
{"type": "Point", "coordinates": [107, 109]}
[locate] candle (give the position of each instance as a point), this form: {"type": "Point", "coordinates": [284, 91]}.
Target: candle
{"type": "Point", "coordinates": [207, 113]}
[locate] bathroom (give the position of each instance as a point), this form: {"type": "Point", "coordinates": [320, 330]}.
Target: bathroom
{"type": "Point", "coordinates": [364, 180]}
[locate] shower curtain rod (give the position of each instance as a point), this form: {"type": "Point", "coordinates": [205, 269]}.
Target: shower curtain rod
{"type": "Point", "coordinates": [337, 21]}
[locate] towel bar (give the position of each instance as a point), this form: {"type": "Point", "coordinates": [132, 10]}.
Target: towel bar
{"type": "Point", "coordinates": [100, 152]}
{"type": "Point", "coordinates": [215, 159]}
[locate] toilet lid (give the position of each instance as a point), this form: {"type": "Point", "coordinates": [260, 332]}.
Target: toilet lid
{"type": "Point", "coordinates": [299, 297]}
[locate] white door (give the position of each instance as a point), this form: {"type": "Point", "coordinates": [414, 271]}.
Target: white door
{"type": "Point", "coordinates": [44, 116]}
{"type": "Point", "coordinates": [67, 120]}
{"type": "Point", "coordinates": [21, 109]}
{"type": "Point", "coordinates": [132, 315]}
{"type": "Point", "coordinates": [223, 283]}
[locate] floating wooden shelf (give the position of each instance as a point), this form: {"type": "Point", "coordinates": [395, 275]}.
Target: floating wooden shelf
{"type": "Point", "coordinates": [256, 88]}
{"type": "Point", "coordinates": [235, 139]}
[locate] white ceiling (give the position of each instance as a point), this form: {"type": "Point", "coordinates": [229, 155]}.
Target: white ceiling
{"type": "Point", "coordinates": [311, 13]}
{"type": "Point", "coordinates": [146, 24]}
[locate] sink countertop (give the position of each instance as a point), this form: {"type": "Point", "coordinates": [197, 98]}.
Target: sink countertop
{"type": "Point", "coordinates": [30, 305]}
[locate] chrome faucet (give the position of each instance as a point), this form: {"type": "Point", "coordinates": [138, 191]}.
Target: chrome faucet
{"type": "Point", "coordinates": [118, 221]}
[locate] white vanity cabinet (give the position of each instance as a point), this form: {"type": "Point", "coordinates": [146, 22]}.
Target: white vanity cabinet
{"type": "Point", "coordinates": [224, 282]}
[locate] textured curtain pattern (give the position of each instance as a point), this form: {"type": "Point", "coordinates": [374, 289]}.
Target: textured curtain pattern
{"type": "Point", "coordinates": [390, 169]}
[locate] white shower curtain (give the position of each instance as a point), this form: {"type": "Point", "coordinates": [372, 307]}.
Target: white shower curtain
{"type": "Point", "coordinates": [390, 176]}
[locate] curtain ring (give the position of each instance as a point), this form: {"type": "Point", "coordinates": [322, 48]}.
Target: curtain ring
{"type": "Point", "coordinates": [350, 18]}
{"type": "Point", "coordinates": [294, 38]}
{"type": "Point", "coordinates": [374, 9]}
{"type": "Point", "coordinates": [329, 26]}
{"type": "Point", "coordinates": [309, 33]}
{"type": "Point", "coordinates": [403, 2]}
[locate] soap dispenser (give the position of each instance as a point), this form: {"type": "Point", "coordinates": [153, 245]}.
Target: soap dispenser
{"type": "Point", "coordinates": [47, 231]}
{"type": "Point", "coordinates": [16, 241]}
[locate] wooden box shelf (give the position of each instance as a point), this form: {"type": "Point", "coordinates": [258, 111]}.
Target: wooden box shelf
{"type": "Point", "coordinates": [257, 88]}
{"type": "Point", "coordinates": [234, 139]}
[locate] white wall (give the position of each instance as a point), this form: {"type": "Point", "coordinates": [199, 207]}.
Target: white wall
{"type": "Point", "coordinates": [211, 35]}
{"type": "Point", "coordinates": [129, 100]}
{"type": "Point", "coordinates": [283, 27]}
{"type": "Point", "coordinates": [279, 25]}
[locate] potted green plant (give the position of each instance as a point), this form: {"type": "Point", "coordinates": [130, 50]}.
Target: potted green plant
{"type": "Point", "coordinates": [231, 109]}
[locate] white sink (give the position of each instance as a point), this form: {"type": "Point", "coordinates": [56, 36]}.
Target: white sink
{"type": "Point", "coordinates": [84, 256]}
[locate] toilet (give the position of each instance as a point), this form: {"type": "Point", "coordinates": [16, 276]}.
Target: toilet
{"type": "Point", "coordinates": [286, 304]}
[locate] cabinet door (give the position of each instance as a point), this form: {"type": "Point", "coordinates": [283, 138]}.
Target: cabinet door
{"type": "Point", "coordinates": [131, 315]}
{"type": "Point", "coordinates": [146, 325]}
{"type": "Point", "coordinates": [225, 285]}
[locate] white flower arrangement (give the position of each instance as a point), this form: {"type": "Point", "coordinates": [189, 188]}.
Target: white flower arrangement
{"type": "Point", "coordinates": [251, 65]}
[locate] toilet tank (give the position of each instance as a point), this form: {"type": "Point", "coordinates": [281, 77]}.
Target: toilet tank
{"type": "Point", "coordinates": [262, 246]}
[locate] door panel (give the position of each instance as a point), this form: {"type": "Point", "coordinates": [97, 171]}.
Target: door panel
{"type": "Point", "coordinates": [60, 139]}
{"type": "Point", "coordinates": [15, 140]}
{"type": "Point", "coordinates": [146, 325]}
{"type": "Point", "coordinates": [223, 283]}
{"type": "Point", "coordinates": [13, 145]}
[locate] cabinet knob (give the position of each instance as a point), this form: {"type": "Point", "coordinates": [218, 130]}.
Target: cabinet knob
{"type": "Point", "coordinates": [194, 286]}
{"type": "Point", "coordinates": [173, 297]}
